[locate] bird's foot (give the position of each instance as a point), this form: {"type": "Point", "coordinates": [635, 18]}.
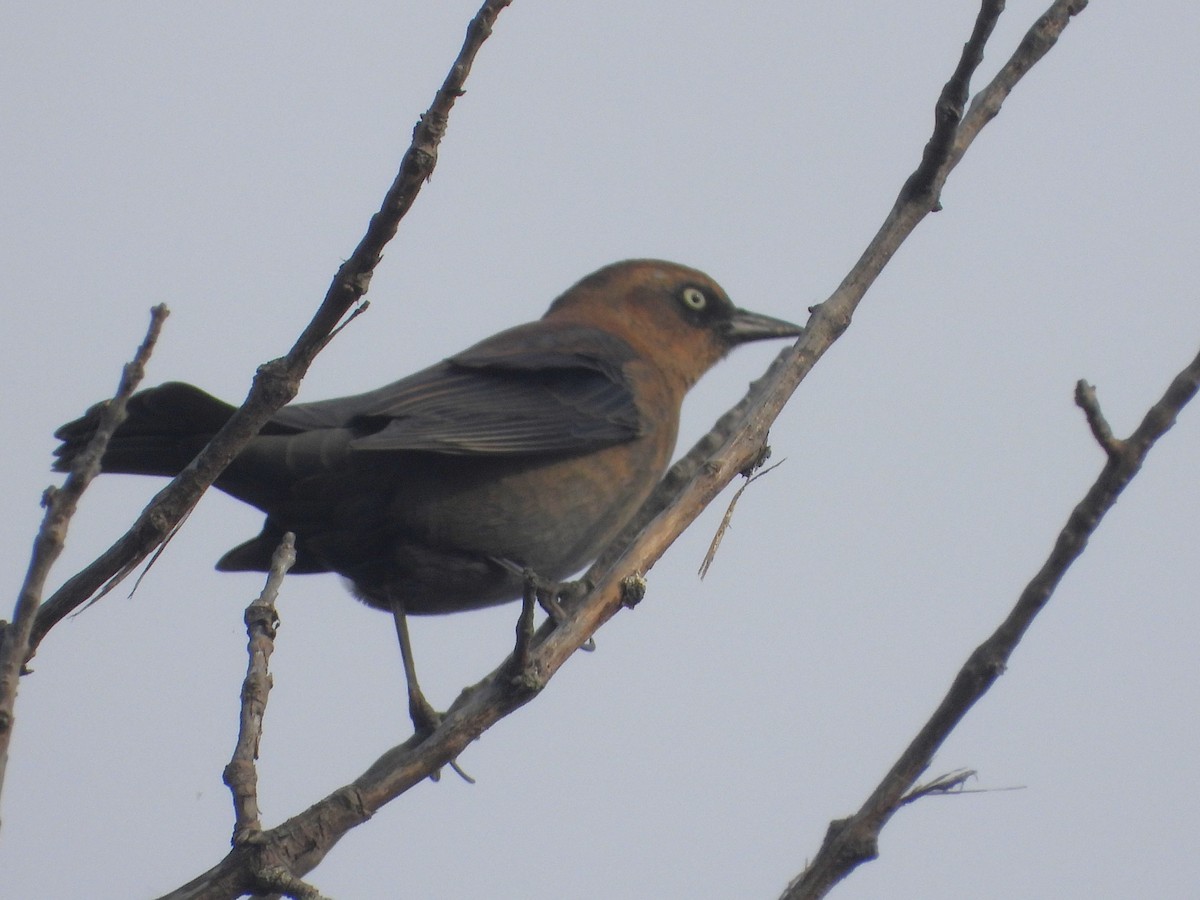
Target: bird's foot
{"type": "Point", "coordinates": [552, 595]}
{"type": "Point", "coordinates": [425, 719]}
{"type": "Point", "coordinates": [549, 595]}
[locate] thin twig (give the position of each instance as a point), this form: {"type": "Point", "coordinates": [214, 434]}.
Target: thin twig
{"type": "Point", "coordinates": [262, 624]}
{"type": "Point", "coordinates": [852, 841]}
{"type": "Point", "coordinates": [948, 112]}
{"type": "Point", "coordinates": [1085, 399]}
{"type": "Point", "coordinates": [16, 639]}
{"type": "Point", "coordinates": [950, 783]}
{"type": "Point", "coordinates": [727, 519]}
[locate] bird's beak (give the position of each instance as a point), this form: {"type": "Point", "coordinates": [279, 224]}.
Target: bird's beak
{"type": "Point", "coordinates": [745, 326]}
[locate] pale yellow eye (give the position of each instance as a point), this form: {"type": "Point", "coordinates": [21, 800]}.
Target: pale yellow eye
{"type": "Point", "coordinates": [693, 298]}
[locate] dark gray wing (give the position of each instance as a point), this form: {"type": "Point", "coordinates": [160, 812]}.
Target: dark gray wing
{"type": "Point", "coordinates": [537, 388]}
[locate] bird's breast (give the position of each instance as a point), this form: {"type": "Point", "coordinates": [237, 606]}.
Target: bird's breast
{"type": "Point", "coordinates": [551, 515]}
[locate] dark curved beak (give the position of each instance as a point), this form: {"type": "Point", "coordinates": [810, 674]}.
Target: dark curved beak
{"type": "Point", "coordinates": [745, 326]}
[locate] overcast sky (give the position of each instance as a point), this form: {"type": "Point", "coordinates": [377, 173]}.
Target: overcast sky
{"type": "Point", "coordinates": [224, 159]}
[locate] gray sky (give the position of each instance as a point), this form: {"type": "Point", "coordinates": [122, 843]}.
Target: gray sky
{"type": "Point", "coordinates": [225, 158]}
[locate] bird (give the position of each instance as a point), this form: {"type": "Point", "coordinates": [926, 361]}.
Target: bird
{"type": "Point", "coordinates": [526, 452]}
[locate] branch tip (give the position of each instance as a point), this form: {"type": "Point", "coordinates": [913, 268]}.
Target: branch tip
{"type": "Point", "coordinates": [1086, 400]}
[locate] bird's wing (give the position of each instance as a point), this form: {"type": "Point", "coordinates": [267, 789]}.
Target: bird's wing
{"type": "Point", "coordinates": [532, 389]}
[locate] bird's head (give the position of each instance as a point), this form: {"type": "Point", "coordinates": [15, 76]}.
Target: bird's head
{"type": "Point", "coordinates": [675, 317]}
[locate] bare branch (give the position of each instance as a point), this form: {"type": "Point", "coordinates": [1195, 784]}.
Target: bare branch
{"type": "Point", "coordinates": [60, 503]}
{"type": "Point", "coordinates": [852, 841]}
{"type": "Point", "coordinates": [1085, 399]}
{"type": "Point", "coordinates": [919, 196]}
{"type": "Point", "coordinates": [948, 112]}
{"type": "Point", "coordinates": [262, 624]}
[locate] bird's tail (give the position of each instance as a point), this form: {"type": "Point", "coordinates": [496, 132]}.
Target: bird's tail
{"type": "Point", "coordinates": [166, 427]}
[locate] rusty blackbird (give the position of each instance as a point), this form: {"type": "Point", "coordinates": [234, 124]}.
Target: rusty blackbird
{"type": "Point", "coordinates": [529, 450]}
{"type": "Point", "coordinates": [533, 447]}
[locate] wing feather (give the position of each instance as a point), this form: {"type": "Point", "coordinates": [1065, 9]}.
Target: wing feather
{"type": "Point", "coordinates": [536, 388]}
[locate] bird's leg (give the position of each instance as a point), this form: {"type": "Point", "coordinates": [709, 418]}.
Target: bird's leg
{"type": "Point", "coordinates": [424, 717]}
{"type": "Point", "coordinates": [525, 622]}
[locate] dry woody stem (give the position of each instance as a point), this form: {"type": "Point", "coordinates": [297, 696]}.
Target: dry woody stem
{"type": "Point", "coordinates": [17, 639]}
{"type": "Point", "coordinates": [852, 841]}
{"type": "Point", "coordinates": [262, 624]}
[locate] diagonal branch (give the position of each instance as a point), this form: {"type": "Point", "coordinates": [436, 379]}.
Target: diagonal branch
{"type": "Point", "coordinates": [277, 381]}
{"type": "Point", "coordinates": [948, 111]}
{"type": "Point", "coordinates": [953, 134]}
{"type": "Point", "coordinates": [60, 503]}
{"type": "Point", "coordinates": [852, 841]}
